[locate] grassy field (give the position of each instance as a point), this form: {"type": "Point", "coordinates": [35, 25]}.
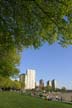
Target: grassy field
{"type": "Point", "coordinates": [15, 100]}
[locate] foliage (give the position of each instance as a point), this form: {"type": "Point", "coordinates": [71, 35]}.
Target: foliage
{"type": "Point", "coordinates": [63, 89]}
{"type": "Point", "coordinates": [25, 23]}
{"type": "Point", "coordinates": [49, 88]}
{"type": "Point", "coordinates": [6, 83]}
{"type": "Point", "coordinates": [16, 85]}
{"type": "Point", "coordinates": [22, 86]}
{"type": "Point", "coordinates": [8, 62]}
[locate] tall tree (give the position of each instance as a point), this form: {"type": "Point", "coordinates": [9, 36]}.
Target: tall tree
{"type": "Point", "coordinates": [25, 23]}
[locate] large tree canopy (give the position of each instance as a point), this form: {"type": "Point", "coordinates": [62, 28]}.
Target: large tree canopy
{"type": "Point", "coordinates": [25, 23]}
{"type": "Point", "coordinates": [32, 22]}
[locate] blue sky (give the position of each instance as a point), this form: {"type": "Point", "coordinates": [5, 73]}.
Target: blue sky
{"type": "Point", "coordinates": [50, 62]}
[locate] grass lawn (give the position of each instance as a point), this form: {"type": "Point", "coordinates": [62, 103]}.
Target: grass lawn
{"type": "Point", "coordinates": [15, 100]}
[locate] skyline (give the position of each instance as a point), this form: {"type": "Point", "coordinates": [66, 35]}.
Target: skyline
{"type": "Point", "coordinates": [50, 62]}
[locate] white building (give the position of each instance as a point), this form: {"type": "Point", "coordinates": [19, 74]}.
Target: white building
{"type": "Point", "coordinates": [29, 79]}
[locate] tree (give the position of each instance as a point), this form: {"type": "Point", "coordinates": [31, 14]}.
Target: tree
{"type": "Point", "coordinates": [49, 88]}
{"type": "Point", "coordinates": [31, 23]}
{"type": "Point", "coordinates": [16, 85]}
{"type": "Point", "coordinates": [22, 86]}
{"type": "Point", "coordinates": [63, 89]}
{"type": "Point", "coordinates": [9, 60]}
{"type": "Point", "coordinates": [6, 84]}
{"type": "Point", "coordinates": [26, 23]}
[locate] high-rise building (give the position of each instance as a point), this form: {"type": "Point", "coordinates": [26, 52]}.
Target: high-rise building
{"type": "Point", "coordinates": [28, 79]}
{"type": "Point", "coordinates": [22, 77]}
{"type": "Point", "coordinates": [22, 80]}
{"type": "Point", "coordinates": [49, 83]}
{"type": "Point", "coordinates": [54, 84]}
{"type": "Point", "coordinates": [41, 83]}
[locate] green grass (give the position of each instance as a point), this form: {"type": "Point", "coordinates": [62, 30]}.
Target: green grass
{"type": "Point", "coordinates": [15, 100]}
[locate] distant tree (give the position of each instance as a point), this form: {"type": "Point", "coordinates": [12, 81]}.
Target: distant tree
{"type": "Point", "coordinates": [63, 89]}
{"type": "Point", "coordinates": [58, 90]}
{"type": "Point", "coordinates": [49, 88]}
{"type": "Point", "coordinates": [16, 85]}
{"type": "Point", "coordinates": [6, 83]}
{"type": "Point", "coordinates": [25, 23]}
{"type": "Point", "coordinates": [22, 86]}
